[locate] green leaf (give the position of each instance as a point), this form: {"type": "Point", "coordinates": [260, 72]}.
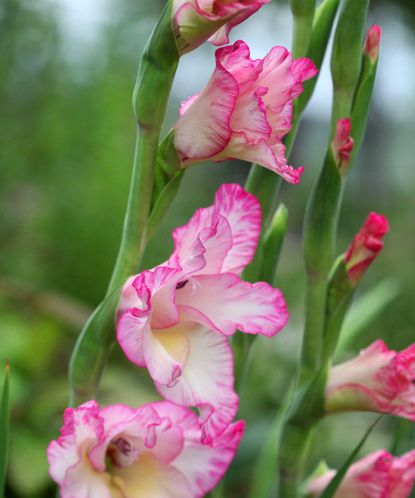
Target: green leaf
{"type": "Point", "coordinates": [4, 429]}
{"type": "Point", "coordinates": [322, 27]}
{"type": "Point", "coordinates": [162, 204]}
{"type": "Point", "coordinates": [272, 245]}
{"type": "Point", "coordinates": [366, 309]}
{"type": "Point", "coordinates": [334, 484]}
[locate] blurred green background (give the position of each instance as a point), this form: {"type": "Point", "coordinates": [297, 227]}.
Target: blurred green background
{"type": "Point", "coordinates": [67, 131]}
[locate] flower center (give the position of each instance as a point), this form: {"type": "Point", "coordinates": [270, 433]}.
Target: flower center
{"type": "Point", "coordinates": [120, 452]}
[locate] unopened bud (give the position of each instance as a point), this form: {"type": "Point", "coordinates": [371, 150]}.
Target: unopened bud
{"type": "Point", "coordinates": [365, 246]}
{"type": "Point", "coordinates": [342, 143]}
{"type": "Point", "coordinates": [372, 42]}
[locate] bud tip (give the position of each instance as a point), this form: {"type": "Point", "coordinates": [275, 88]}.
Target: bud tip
{"type": "Point", "coordinates": [372, 42]}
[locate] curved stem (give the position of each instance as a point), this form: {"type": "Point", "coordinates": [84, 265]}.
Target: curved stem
{"type": "Point", "coordinates": [156, 72]}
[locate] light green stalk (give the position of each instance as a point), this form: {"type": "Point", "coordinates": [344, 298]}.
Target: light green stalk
{"type": "Point", "coordinates": [320, 228]}
{"type": "Point", "coordinates": [303, 15]}
{"type": "Point", "coordinates": [273, 240]}
{"type": "Point", "coordinates": [320, 231]}
{"type": "Point", "coordinates": [346, 59]}
{"type": "Point", "coordinates": [156, 71]}
{"type": "Point", "coordinates": [321, 219]}
{"type": "Point", "coordinates": [321, 29]}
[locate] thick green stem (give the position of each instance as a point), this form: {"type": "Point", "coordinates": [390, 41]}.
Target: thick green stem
{"type": "Point", "coordinates": [157, 68]}
{"type": "Point", "coordinates": [320, 229]}
{"type": "Point", "coordinates": [303, 15]}
{"type": "Point", "coordinates": [296, 443]}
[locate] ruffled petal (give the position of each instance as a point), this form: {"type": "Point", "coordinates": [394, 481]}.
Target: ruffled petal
{"type": "Point", "coordinates": [203, 243]}
{"type": "Point", "coordinates": [154, 306]}
{"type": "Point", "coordinates": [270, 156]}
{"type": "Point", "coordinates": [250, 116]}
{"type": "Point", "coordinates": [226, 304]}
{"type": "Point", "coordinates": [202, 465]}
{"type": "Point", "coordinates": [243, 213]}
{"type": "Point", "coordinates": [206, 380]}
{"type": "Point", "coordinates": [131, 330]}
{"type": "Point", "coordinates": [204, 129]}
{"type": "Point", "coordinates": [402, 475]}
{"type": "Point", "coordinates": [237, 61]}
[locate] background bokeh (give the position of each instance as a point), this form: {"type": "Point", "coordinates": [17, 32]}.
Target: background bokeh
{"type": "Point", "coordinates": [67, 70]}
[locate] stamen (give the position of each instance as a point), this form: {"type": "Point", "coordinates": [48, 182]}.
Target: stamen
{"type": "Point", "coordinates": [122, 445]}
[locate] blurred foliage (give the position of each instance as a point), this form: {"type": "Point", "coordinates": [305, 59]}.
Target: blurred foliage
{"type": "Point", "coordinates": [66, 145]}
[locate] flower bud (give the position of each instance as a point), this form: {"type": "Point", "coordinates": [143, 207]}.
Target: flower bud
{"type": "Point", "coordinates": [372, 42]}
{"type": "Point", "coordinates": [196, 21]}
{"type": "Point", "coordinates": [363, 95]}
{"type": "Point", "coordinates": [342, 143]}
{"type": "Point", "coordinates": [346, 57]}
{"type": "Point", "coordinates": [365, 246]}
{"type": "Point", "coordinates": [377, 380]}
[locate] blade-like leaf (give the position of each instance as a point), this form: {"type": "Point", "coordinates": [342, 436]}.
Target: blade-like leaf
{"type": "Point", "coordinates": [4, 430]}
{"type": "Point", "coordinates": [334, 484]}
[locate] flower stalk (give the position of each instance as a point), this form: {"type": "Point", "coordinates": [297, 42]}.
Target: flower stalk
{"type": "Point", "coordinates": [346, 59]}
{"type": "Point", "coordinates": [156, 71]}
{"type": "Point", "coordinates": [320, 231]}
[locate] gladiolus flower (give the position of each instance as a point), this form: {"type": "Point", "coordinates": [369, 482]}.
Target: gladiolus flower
{"type": "Point", "coordinates": [343, 143]}
{"type": "Point", "coordinates": [378, 380]}
{"type": "Point", "coordinates": [365, 246]}
{"type": "Point", "coordinates": [196, 21]}
{"type": "Point", "coordinates": [245, 110]}
{"type": "Point", "coordinates": [378, 475]}
{"type": "Point", "coordinates": [176, 319]}
{"type": "Point", "coordinates": [372, 42]}
{"type": "Point", "coordinates": [150, 452]}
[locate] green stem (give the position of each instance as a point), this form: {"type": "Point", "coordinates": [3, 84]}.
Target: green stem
{"type": "Point", "coordinates": [156, 72]}
{"type": "Point", "coordinates": [295, 447]}
{"type": "Point", "coordinates": [303, 15]}
{"type": "Point", "coordinates": [320, 230]}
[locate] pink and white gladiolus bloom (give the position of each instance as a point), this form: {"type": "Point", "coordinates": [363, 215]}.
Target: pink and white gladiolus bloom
{"type": "Point", "coordinates": [196, 21]}
{"type": "Point", "coordinates": [176, 319]}
{"type": "Point", "coordinates": [365, 246]}
{"type": "Point", "coordinates": [245, 110]}
{"type": "Point", "coordinates": [378, 380]}
{"type": "Point", "coordinates": [378, 475]}
{"type": "Point", "coordinates": [372, 42]}
{"type": "Point", "coordinates": [150, 452]}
